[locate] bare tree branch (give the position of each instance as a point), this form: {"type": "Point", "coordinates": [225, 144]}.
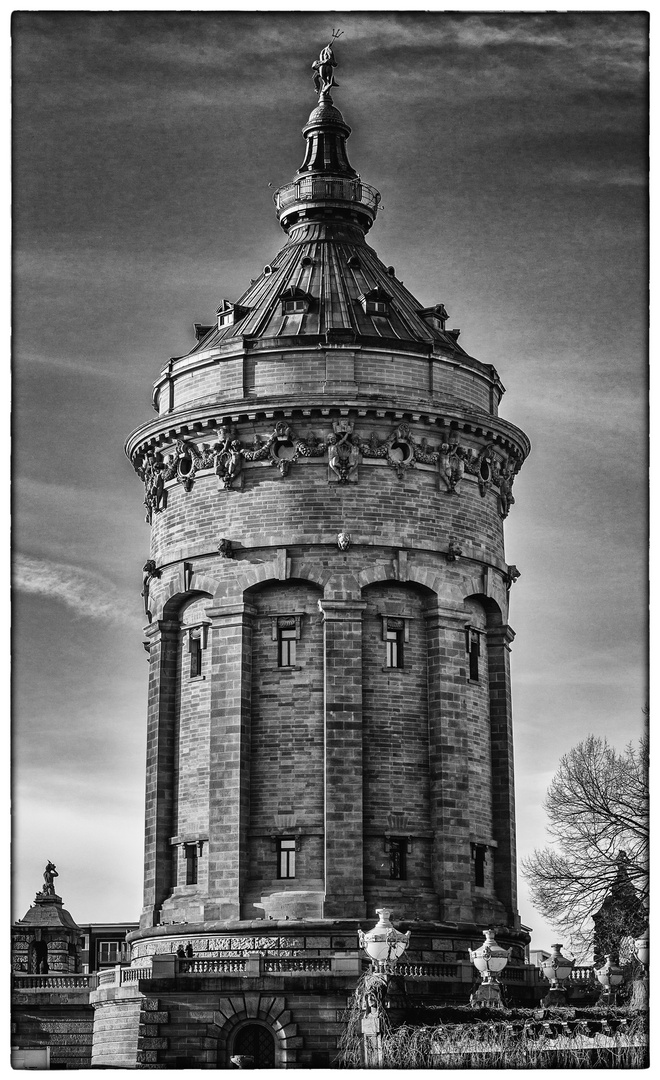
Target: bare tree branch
{"type": "Point", "coordinates": [597, 806]}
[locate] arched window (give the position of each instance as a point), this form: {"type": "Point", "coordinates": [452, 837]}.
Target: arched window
{"type": "Point", "coordinates": [38, 958]}
{"type": "Point", "coordinates": [255, 1041]}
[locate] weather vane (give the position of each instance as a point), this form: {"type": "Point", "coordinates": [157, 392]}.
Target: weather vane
{"type": "Point", "coordinates": [323, 76]}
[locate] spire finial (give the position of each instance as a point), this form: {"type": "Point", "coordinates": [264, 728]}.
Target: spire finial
{"type": "Point", "coordinates": [323, 75]}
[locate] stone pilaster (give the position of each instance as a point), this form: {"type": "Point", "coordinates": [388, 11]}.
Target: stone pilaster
{"type": "Point", "coordinates": [448, 756]}
{"type": "Point", "coordinates": [161, 729]}
{"type": "Point", "coordinates": [342, 679]}
{"type": "Point", "coordinates": [501, 726]}
{"type": "Point", "coordinates": [229, 751]}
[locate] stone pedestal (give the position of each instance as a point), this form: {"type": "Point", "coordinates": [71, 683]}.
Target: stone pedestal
{"type": "Point", "coordinates": [488, 996]}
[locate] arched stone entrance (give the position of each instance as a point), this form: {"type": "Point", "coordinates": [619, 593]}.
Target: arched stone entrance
{"type": "Point", "coordinates": [255, 1041]}
{"type": "Point", "coordinates": [255, 1025]}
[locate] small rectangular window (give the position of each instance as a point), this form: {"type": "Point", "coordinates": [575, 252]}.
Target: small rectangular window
{"type": "Point", "coordinates": [473, 648]}
{"type": "Point", "coordinates": [286, 858]}
{"type": "Point", "coordinates": [286, 643]}
{"type": "Point", "coordinates": [398, 847]}
{"type": "Point", "coordinates": [394, 635]}
{"type": "Point", "coordinates": [109, 952]}
{"type": "Point", "coordinates": [195, 656]}
{"type": "Point", "coordinates": [294, 307]}
{"type": "Point", "coordinates": [191, 863]}
{"type": "Point", "coordinates": [479, 854]}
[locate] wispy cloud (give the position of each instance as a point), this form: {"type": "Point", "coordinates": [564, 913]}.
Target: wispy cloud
{"type": "Point", "coordinates": [87, 594]}
{"type": "Point", "coordinates": [90, 368]}
{"type": "Point", "coordinates": [599, 175]}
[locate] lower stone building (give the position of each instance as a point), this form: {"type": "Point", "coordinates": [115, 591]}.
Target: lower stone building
{"type": "Point", "coordinates": [55, 965]}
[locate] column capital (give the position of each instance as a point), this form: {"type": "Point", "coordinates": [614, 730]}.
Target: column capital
{"type": "Point", "coordinates": [231, 611]}
{"type": "Point", "coordinates": [341, 610]}
{"type": "Point", "coordinates": [161, 628]}
{"type": "Point", "coordinates": [500, 635]}
{"type": "Point", "coordinates": [447, 618]}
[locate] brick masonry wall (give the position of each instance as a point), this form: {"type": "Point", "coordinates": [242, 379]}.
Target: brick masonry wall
{"type": "Point", "coordinates": [255, 373]}
{"type": "Point", "coordinates": [396, 766]}
{"type": "Point", "coordinates": [191, 768]}
{"type": "Point", "coordinates": [274, 783]}
{"type": "Point", "coordinates": [303, 506]}
{"type": "Point", "coordinates": [335, 751]}
{"type": "Point", "coordinates": [66, 1028]}
{"type": "Point", "coordinates": [478, 722]}
{"type": "Point", "coordinates": [286, 766]}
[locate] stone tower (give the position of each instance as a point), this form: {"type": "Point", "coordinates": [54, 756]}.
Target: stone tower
{"type": "Point", "coordinates": [329, 720]}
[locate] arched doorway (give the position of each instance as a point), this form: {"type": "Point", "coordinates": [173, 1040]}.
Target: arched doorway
{"type": "Point", "coordinates": [255, 1041]}
{"type": "Point", "coordinates": [38, 958]}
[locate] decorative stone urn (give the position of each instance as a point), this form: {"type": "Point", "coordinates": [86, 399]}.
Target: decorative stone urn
{"type": "Point", "coordinates": [609, 976]}
{"type": "Point", "coordinates": [640, 991]}
{"type": "Point", "coordinates": [557, 969]}
{"type": "Point", "coordinates": [490, 959]}
{"type": "Point", "coordinates": [384, 944]}
{"type": "Point", "coordinates": [642, 949]}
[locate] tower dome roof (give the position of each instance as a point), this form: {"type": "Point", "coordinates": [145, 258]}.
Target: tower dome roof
{"type": "Point", "coordinates": [326, 112]}
{"type": "Point", "coordinates": [326, 278]}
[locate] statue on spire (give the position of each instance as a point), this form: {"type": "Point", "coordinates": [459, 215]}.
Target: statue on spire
{"type": "Point", "coordinates": [49, 874]}
{"type": "Point", "coordinates": [323, 75]}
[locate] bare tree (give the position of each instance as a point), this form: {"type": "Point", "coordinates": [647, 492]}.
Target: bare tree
{"type": "Point", "coordinates": [597, 805]}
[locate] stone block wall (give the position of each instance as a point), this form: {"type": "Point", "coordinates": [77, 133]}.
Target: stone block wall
{"type": "Point", "coordinates": [40, 1020]}
{"type": "Point", "coordinates": [302, 507]}
{"type": "Point", "coordinates": [261, 371]}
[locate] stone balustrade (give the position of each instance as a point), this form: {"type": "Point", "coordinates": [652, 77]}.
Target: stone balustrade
{"type": "Point", "coordinates": [61, 983]}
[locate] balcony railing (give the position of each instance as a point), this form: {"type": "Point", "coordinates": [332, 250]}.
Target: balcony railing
{"type": "Point", "coordinates": [221, 965]}
{"type": "Point", "coordinates": [57, 983]}
{"type": "Point", "coordinates": [313, 188]}
{"type": "Point", "coordinates": [430, 971]}
{"type": "Point", "coordinates": [309, 964]}
{"type": "Point", "coordinates": [169, 965]}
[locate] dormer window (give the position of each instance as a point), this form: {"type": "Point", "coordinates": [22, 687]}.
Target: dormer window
{"type": "Point", "coordinates": [229, 313]}
{"type": "Point", "coordinates": [436, 316]}
{"type": "Point", "coordinates": [202, 329]}
{"type": "Point", "coordinates": [295, 301]}
{"type": "Point", "coordinates": [376, 302]}
{"type": "Point", "coordinates": [294, 307]}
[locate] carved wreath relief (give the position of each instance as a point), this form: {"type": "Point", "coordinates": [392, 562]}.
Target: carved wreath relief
{"type": "Point", "coordinates": [345, 450]}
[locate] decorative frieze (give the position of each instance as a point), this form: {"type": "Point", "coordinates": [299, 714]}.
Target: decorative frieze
{"type": "Point", "coordinates": [346, 450]}
{"type": "Point", "coordinates": [209, 946]}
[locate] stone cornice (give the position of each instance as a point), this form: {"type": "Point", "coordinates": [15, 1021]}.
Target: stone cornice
{"type": "Point", "coordinates": [202, 421]}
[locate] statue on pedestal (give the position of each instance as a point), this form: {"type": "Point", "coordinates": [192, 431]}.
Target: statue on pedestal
{"type": "Point", "coordinates": [49, 874]}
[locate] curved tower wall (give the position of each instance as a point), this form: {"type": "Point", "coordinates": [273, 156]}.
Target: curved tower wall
{"type": "Point", "coordinates": [327, 468]}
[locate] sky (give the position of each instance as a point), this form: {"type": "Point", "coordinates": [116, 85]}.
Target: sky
{"type": "Point", "coordinates": [510, 151]}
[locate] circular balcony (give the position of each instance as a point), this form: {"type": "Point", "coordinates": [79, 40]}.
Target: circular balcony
{"type": "Point", "coordinates": [297, 198]}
